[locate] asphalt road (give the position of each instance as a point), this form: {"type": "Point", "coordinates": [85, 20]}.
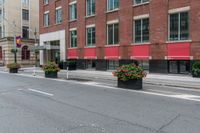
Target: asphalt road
{"type": "Point", "coordinates": [38, 105]}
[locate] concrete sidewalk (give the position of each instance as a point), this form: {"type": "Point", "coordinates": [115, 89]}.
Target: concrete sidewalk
{"type": "Point", "coordinates": [106, 77]}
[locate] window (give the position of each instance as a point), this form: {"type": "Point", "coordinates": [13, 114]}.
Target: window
{"type": "Point", "coordinates": [25, 32]}
{"type": "Point", "coordinates": [58, 15]}
{"type": "Point", "coordinates": [91, 36]}
{"type": "Point", "coordinates": [179, 26]}
{"type": "Point", "coordinates": [25, 53]}
{"type": "Point", "coordinates": [46, 2]}
{"type": "Point", "coordinates": [1, 53]}
{"type": "Point", "coordinates": [137, 2]}
{"type": "Point", "coordinates": [73, 12]}
{"type": "Point", "coordinates": [142, 30]}
{"type": "Point", "coordinates": [25, 2]}
{"type": "Point", "coordinates": [73, 38]}
{"type": "Point", "coordinates": [46, 19]}
{"type": "Point", "coordinates": [113, 34]}
{"type": "Point", "coordinates": [90, 7]}
{"type": "Point", "coordinates": [112, 64]}
{"type": "Point", "coordinates": [25, 14]}
{"type": "Point", "coordinates": [112, 5]}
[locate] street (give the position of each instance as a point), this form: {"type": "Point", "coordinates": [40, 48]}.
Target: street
{"type": "Point", "coordinates": [39, 105]}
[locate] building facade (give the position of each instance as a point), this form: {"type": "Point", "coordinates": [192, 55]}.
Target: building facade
{"type": "Point", "coordinates": [20, 19]}
{"type": "Point", "coordinates": [163, 35]}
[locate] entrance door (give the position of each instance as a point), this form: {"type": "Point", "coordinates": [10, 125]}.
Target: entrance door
{"type": "Point", "coordinates": [90, 64]}
{"type": "Point", "coordinates": [179, 67]}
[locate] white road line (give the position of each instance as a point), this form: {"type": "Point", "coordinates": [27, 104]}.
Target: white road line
{"type": "Point", "coordinates": [41, 92]}
{"type": "Point", "coordinates": [181, 96]}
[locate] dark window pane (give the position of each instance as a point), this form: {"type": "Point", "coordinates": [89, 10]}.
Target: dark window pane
{"type": "Point", "coordinates": [145, 30]}
{"type": "Point", "coordinates": [184, 26]}
{"type": "Point", "coordinates": [110, 34]}
{"type": "Point", "coordinates": [138, 31]}
{"type": "Point", "coordinates": [116, 33]}
{"type": "Point", "coordinates": [174, 26]}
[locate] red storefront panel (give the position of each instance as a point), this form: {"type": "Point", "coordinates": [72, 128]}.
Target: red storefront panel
{"type": "Point", "coordinates": [90, 53]}
{"type": "Point", "coordinates": [112, 52]}
{"type": "Point", "coordinates": [178, 51]}
{"type": "Point", "coordinates": [72, 54]}
{"type": "Point", "coordinates": [140, 52]}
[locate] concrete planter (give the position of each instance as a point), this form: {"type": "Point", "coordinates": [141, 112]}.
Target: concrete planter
{"type": "Point", "coordinates": [13, 70]}
{"type": "Point", "coordinates": [133, 84]}
{"type": "Point", "coordinates": [51, 74]}
{"type": "Point", "coordinates": [197, 75]}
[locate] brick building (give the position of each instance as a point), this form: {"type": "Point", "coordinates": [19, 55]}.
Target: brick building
{"type": "Point", "coordinates": [163, 35]}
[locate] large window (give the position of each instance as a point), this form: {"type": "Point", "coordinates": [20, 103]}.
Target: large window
{"type": "Point", "coordinates": [73, 11]}
{"type": "Point", "coordinates": [25, 14]}
{"type": "Point", "coordinates": [142, 30]}
{"type": "Point", "coordinates": [26, 2]}
{"type": "Point", "coordinates": [46, 2]}
{"type": "Point", "coordinates": [25, 53]}
{"type": "Point", "coordinates": [90, 7]}
{"type": "Point", "coordinates": [25, 32]}
{"type": "Point", "coordinates": [136, 2]}
{"type": "Point", "coordinates": [46, 19]}
{"type": "Point", "coordinates": [73, 38]}
{"type": "Point", "coordinates": [112, 64]}
{"type": "Point", "coordinates": [91, 36]}
{"type": "Point", "coordinates": [113, 34]}
{"type": "Point", "coordinates": [112, 5]}
{"type": "Point", "coordinates": [179, 26]}
{"type": "Point", "coordinates": [58, 15]}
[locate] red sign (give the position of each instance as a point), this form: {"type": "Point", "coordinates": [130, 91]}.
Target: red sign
{"type": "Point", "coordinates": [140, 52]}
{"type": "Point", "coordinates": [72, 54]}
{"type": "Point", "coordinates": [90, 53]}
{"type": "Point", "coordinates": [112, 52]}
{"type": "Point", "coordinates": [178, 51]}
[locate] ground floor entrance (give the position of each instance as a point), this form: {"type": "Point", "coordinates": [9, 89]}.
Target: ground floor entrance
{"type": "Point", "coordinates": [179, 67]}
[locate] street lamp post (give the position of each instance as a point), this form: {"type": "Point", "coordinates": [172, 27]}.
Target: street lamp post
{"type": "Point", "coordinates": [15, 48]}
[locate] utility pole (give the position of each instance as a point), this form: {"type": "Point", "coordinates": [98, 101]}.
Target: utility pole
{"type": "Point", "coordinates": [15, 48]}
{"type": "Point", "coordinates": [35, 34]}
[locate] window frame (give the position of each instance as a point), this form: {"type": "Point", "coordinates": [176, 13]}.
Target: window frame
{"type": "Point", "coordinates": [57, 13]}
{"type": "Point", "coordinates": [46, 13]}
{"type": "Point", "coordinates": [71, 17]}
{"type": "Point", "coordinates": [91, 6]}
{"type": "Point", "coordinates": [92, 44]}
{"type": "Point", "coordinates": [70, 32]}
{"type": "Point", "coordinates": [179, 26]}
{"type": "Point", "coordinates": [113, 26]}
{"type": "Point", "coordinates": [114, 9]}
{"type": "Point", "coordinates": [134, 30]}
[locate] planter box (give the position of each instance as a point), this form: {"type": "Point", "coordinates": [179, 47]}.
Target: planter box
{"type": "Point", "coordinates": [134, 84]}
{"type": "Point", "coordinates": [51, 74]}
{"type": "Point", "coordinates": [196, 75]}
{"type": "Point", "coordinates": [13, 70]}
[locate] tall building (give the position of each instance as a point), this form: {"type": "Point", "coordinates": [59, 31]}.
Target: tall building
{"type": "Point", "coordinates": [18, 18]}
{"type": "Point", "coordinates": [163, 35]}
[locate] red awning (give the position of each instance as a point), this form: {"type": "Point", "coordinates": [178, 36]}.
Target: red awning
{"type": "Point", "coordinates": [112, 52]}
{"type": "Point", "coordinates": [141, 52]}
{"type": "Point", "coordinates": [179, 51]}
{"type": "Point", "coordinates": [90, 53]}
{"type": "Point", "coordinates": [72, 54]}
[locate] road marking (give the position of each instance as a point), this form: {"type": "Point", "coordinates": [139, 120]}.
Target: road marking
{"type": "Point", "coordinates": [181, 96]}
{"type": "Point", "coordinates": [41, 92]}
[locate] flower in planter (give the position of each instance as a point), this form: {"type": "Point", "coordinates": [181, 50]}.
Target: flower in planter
{"type": "Point", "coordinates": [13, 66]}
{"type": "Point", "coordinates": [51, 67]}
{"type": "Point", "coordinates": [130, 71]}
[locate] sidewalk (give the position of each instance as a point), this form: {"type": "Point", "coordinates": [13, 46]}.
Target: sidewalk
{"type": "Point", "coordinates": [106, 77]}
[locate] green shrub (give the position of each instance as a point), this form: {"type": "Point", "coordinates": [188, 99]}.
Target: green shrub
{"type": "Point", "coordinates": [131, 71]}
{"type": "Point", "coordinates": [51, 67]}
{"type": "Point", "coordinates": [13, 65]}
{"type": "Point", "coordinates": [196, 67]}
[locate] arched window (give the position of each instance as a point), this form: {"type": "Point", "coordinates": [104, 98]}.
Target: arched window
{"type": "Point", "coordinates": [25, 53]}
{"type": "Point", "coordinates": [1, 53]}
